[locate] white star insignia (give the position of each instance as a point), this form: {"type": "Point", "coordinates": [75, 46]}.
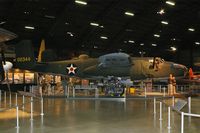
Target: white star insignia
{"type": "Point", "coordinates": [71, 69]}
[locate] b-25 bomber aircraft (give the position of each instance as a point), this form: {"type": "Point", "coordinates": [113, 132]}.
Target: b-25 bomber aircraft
{"type": "Point", "coordinates": [114, 64]}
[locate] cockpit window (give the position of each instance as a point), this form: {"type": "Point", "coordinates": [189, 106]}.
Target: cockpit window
{"type": "Point", "coordinates": [115, 60]}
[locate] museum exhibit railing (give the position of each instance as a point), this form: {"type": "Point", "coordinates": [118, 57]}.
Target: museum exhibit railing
{"type": "Point", "coordinates": [176, 105]}
{"type": "Point", "coordinates": [17, 106]}
{"type": "Point", "coordinates": [95, 91]}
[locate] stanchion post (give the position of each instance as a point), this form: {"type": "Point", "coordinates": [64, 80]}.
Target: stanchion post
{"type": "Point", "coordinates": [5, 97]}
{"type": "Point", "coordinates": [160, 111]}
{"type": "Point", "coordinates": [17, 114]}
{"type": "Point", "coordinates": [23, 101]}
{"type": "Point", "coordinates": [160, 87]}
{"type": "Point", "coordinates": [173, 101]}
{"type": "Point", "coordinates": [164, 91]}
{"type": "Point", "coordinates": [189, 104]}
{"type": "Point", "coordinates": [31, 108]}
{"type": "Point", "coordinates": [96, 93]}
{"type": "Point", "coordinates": [68, 91]}
{"type": "Point", "coordinates": [10, 99]}
{"type": "Point", "coordinates": [145, 91]}
{"type": "Point", "coordinates": [154, 105]}
{"type": "Point", "coordinates": [42, 107]}
{"type": "Point", "coordinates": [16, 99]}
{"type": "Point", "coordinates": [73, 92]}
{"type": "Point", "coordinates": [169, 121]}
{"type": "Point", "coordinates": [124, 92]}
{"type": "Point", "coordinates": [182, 122]}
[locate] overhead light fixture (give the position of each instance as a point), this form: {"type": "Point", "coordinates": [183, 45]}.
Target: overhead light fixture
{"type": "Point", "coordinates": [170, 3]}
{"type": "Point", "coordinates": [129, 30]}
{"type": "Point", "coordinates": [141, 44]}
{"type": "Point", "coordinates": [156, 35]}
{"type": "Point", "coordinates": [94, 24]}
{"type": "Point", "coordinates": [129, 13]}
{"type": "Point", "coordinates": [164, 22]}
{"type": "Point", "coordinates": [49, 16]}
{"type": "Point", "coordinates": [191, 29]}
{"type": "Point", "coordinates": [26, 12]}
{"type": "Point", "coordinates": [81, 2]}
{"type": "Point", "coordinates": [104, 37]}
{"type": "Point", "coordinates": [197, 43]}
{"type": "Point", "coordinates": [131, 41]}
{"type": "Point", "coordinates": [125, 41]}
{"type": "Point", "coordinates": [142, 52]}
{"type": "Point", "coordinates": [101, 26]}
{"type": "Point", "coordinates": [173, 48]}
{"type": "Point", "coordinates": [154, 45]}
{"type": "Point", "coordinates": [29, 27]}
{"type": "Point", "coordinates": [69, 33]}
{"type": "Point", "coordinates": [161, 12]}
{"type": "Point", "coordinates": [3, 22]}
{"type": "Point", "coordinates": [66, 23]}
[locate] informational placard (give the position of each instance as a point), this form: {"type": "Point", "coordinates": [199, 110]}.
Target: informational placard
{"type": "Point", "coordinates": [179, 105]}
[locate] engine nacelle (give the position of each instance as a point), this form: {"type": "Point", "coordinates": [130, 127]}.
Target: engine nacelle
{"type": "Point", "coordinates": [7, 66]}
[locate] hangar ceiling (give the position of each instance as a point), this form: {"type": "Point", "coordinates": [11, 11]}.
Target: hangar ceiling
{"type": "Point", "coordinates": [155, 27]}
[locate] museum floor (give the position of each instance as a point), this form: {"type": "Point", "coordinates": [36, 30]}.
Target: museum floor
{"type": "Point", "coordinates": [94, 116]}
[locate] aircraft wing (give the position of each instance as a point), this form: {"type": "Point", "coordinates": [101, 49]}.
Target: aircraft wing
{"type": "Point", "coordinates": [6, 35]}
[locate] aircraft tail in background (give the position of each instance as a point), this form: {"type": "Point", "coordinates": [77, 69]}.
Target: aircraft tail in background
{"type": "Point", "coordinates": [191, 74]}
{"type": "Point", "coordinates": [25, 55]}
{"type": "Point", "coordinates": [42, 49]}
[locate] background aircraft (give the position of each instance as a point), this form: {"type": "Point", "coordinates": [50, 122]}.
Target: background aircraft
{"type": "Point", "coordinates": [5, 65]}
{"type": "Point", "coordinates": [114, 64]}
{"type": "Point", "coordinates": [192, 75]}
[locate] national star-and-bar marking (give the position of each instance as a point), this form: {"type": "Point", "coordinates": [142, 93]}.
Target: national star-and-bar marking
{"type": "Point", "coordinates": [71, 69]}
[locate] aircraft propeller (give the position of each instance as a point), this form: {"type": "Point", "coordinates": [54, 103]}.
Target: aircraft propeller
{"type": "Point", "coordinates": [4, 67]}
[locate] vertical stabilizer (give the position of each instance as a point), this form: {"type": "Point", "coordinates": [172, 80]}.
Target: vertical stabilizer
{"type": "Point", "coordinates": [25, 55]}
{"type": "Point", "coordinates": [42, 48]}
{"type": "Point", "coordinates": [191, 74]}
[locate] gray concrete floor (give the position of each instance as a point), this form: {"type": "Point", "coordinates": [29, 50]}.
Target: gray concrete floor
{"type": "Point", "coordinates": [96, 116]}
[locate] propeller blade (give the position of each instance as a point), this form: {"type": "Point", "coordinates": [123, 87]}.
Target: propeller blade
{"type": "Point", "coordinates": [2, 78]}
{"type": "Point", "coordinates": [154, 61]}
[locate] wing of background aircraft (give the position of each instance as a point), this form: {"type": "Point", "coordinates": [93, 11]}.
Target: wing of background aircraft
{"type": "Point", "coordinates": [6, 35]}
